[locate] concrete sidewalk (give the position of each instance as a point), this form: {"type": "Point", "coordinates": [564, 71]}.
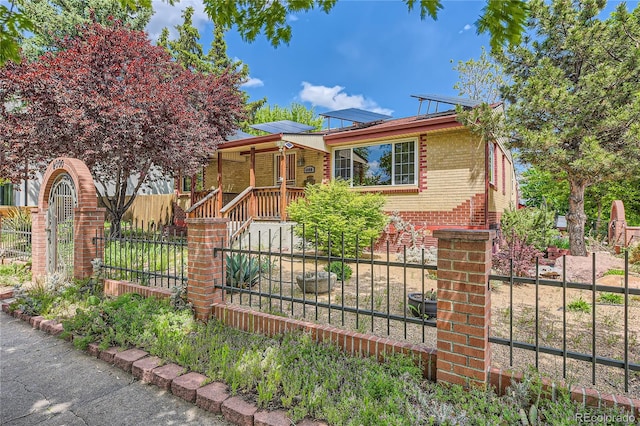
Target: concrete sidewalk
{"type": "Point", "coordinates": [45, 381]}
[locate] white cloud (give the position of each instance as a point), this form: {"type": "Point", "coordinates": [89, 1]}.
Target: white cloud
{"type": "Point", "coordinates": [169, 16]}
{"type": "Point", "coordinates": [253, 82]}
{"type": "Point", "coordinates": [292, 18]}
{"type": "Point", "coordinates": [465, 28]}
{"type": "Point", "coordinates": [334, 98]}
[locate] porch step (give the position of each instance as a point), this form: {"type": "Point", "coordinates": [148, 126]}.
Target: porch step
{"type": "Point", "coordinates": [273, 236]}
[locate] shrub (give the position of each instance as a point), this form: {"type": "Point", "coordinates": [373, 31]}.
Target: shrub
{"type": "Point", "coordinates": [338, 215]}
{"type": "Point", "coordinates": [524, 258]}
{"type": "Point", "coordinates": [242, 271]}
{"type": "Point", "coordinates": [533, 226]}
{"type": "Point", "coordinates": [342, 270]}
{"type": "Point", "coordinates": [17, 220]}
{"type": "Point", "coordinates": [634, 253]}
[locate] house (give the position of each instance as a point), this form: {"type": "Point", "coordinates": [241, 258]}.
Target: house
{"type": "Point", "coordinates": [434, 172]}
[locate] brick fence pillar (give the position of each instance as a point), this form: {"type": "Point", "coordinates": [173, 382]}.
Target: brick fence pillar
{"type": "Point", "coordinates": [464, 306]}
{"type": "Point", "coordinates": [88, 224]}
{"type": "Point", "coordinates": [38, 243]}
{"type": "Point", "coordinates": [205, 270]}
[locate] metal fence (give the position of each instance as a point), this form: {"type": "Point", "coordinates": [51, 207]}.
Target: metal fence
{"type": "Point", "coordinates": [270, 276]}
{"type": "Point", "coordinates": [15, 240]}
{"type": "Point", "coordinates": [151, 256]}
{"type": "Point", "coordinates": [585, 332]}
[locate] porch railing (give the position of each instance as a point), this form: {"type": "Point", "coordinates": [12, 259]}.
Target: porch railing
{"type": "Point", "coordinates": [205, 206]}
{"type": "Point", "coordinates": [268, 201]}
{"type": "Point", "coordinates": [239, 212]}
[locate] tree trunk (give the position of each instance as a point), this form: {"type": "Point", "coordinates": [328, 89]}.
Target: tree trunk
{"type": "Point", "coordinates": [116, 226]}
{"type": "Point", "coordinates": [576, 218]}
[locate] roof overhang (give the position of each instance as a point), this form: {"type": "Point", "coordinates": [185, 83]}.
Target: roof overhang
{"type": "Point", "coordinates": [416, 126]}
{"type": "Point", "coordinates": [313, 142]}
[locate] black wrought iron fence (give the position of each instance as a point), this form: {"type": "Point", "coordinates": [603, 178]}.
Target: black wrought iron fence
{"type": "Point", "coordinates": [147, 256]}
{"type": "Point", "coordinates": [371, 291]}
{"type": "Point", "coordinates": [581, 331]}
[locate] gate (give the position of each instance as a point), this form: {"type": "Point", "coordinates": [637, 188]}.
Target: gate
{"type": "Point", "coordinates": [59, 226]}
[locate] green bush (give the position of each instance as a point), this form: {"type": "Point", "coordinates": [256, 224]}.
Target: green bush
{"type": "Point", "coordinates": [533, 226]}
{"type": "Point", "coordinates": [332, 214]}
{"type": "Point", "coordinates": [342, 270]}
{"type": "Point", "coordinates": [634, 253]}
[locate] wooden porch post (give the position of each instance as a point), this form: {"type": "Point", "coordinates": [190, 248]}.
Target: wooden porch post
{"type": "Point", "coordinates": [220, 193]}
{"type": "Point", "coordinates": [252, 183]}
{"type": "Point", "coordinates": [283, 185]}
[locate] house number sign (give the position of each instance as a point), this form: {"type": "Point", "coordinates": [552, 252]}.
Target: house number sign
{"type": "Point", "coordinates": [310, 169]}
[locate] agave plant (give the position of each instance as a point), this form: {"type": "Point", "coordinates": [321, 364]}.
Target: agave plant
{"type": "Point", "coordinates": [242, 271]}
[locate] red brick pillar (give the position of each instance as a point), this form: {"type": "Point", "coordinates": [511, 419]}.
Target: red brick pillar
{"type": "Point", "coordinates": [88, 222]}
{"type": "Point", "coordinates": [38, 243]}
{"type": "Point", "coordinates": [464, 306]}
{"type": "Point", "coordinates": [205, 270]}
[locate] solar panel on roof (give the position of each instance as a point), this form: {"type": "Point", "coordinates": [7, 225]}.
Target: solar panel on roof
{"type": "Point", "coordinates": [356, 115]}
{"type": "Point", "coordinates": [282, 126]}
{"type": "Point", "coordinates": [238, 134]}
{"type": "Point", "coordinates": [451, 100]}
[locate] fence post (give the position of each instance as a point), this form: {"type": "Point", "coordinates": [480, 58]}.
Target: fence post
{"type": "Point", "coordinates": [38, 243]}
{"type": "Point", "coordinates": [88, 223]}
{"type": "Point", "coordinates": [464, 306]}
{"type": "Point", "coordinates": [204, 270]}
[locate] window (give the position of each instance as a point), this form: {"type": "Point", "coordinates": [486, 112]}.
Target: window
{"type": "Point", "coordinates": [377, 165]}
{"type": "Point", "coordinates": [291, 168]}
{"type": "Point", "coordinates": [504, 176]}
{"type": "Point", "coordinates": [492, 164]}
{"type": "Point", "coordinates": [185, 183]}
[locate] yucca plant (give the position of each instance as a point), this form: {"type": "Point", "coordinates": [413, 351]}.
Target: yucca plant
{"type": "Point", "coordinates": [242, 271]}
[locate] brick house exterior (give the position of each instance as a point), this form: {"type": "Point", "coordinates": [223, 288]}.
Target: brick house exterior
{"type": "Point", "coordinates": [438, 173]}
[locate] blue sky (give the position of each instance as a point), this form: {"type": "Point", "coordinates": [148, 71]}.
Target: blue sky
{"type": "Point", "coordinates": [363, 54]}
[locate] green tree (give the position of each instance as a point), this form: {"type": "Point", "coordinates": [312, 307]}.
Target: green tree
{"type": "Point", "coordinates": [480, 79]}
{"type": "Point", "coordinates": [55, 19]}
{"type": "Point", "coordinates": [503, 19]}
{"type": "Point", "coordinates": [573, 93]}
{"type": "Point", "coordinates": [188, 51]}
{"type": "Point", "coordinates": [294, 112]}
{"type": "Point", "coordinates": [541, 188]}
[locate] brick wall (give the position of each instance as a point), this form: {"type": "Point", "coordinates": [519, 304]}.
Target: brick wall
{"type": "Point", "coordinates": [117, 288]}
{"type": "Point", "coordinates": [349, 341]}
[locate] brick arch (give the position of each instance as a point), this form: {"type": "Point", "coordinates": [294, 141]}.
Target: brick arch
{"type": "Point", "coordinates": [617, 224]}
{"type": "Point", "coordinates": [88, 218]}
{"type": "Point", "coordinates": [82, 180]}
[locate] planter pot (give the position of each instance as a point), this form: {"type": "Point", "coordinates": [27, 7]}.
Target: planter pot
{"type": "Point", "coordinates": [420, 307]}
{"type": "Point", "coordinates": [316, 282]}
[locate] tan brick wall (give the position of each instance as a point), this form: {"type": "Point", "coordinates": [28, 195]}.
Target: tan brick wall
{"type": "Point", "coordinates": [455, 173]}
{"type": "Point", "coordinates": [503, 194]}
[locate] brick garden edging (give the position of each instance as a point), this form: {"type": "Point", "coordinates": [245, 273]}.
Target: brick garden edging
{"type": "Point", "coordinates": [213, 397]}
{"type": "Point", "coordinates": [117, 288]}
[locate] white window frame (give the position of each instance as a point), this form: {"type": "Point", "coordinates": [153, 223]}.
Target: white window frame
{"type": "Point", "coordinates": [416, 161]}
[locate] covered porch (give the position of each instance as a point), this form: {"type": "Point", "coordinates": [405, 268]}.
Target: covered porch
{"type": "Point", "coordinates": [256, 178]}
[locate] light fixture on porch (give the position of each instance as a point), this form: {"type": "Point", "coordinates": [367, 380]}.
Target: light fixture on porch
{"type": "Point", "coordinates": [282, 145]}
